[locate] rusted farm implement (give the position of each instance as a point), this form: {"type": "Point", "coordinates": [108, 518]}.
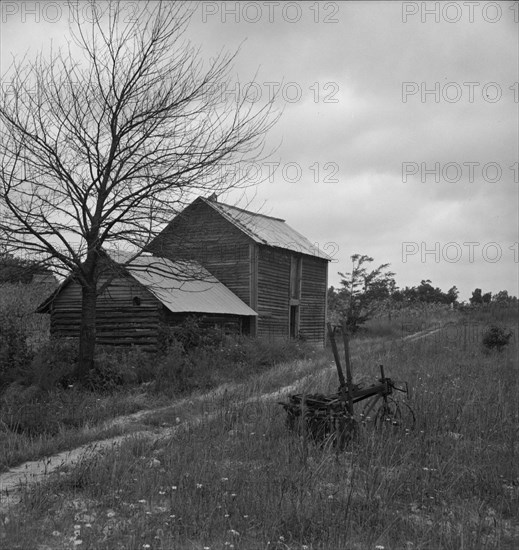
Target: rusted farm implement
{"type": "Point", "coordinates": [332, 418]}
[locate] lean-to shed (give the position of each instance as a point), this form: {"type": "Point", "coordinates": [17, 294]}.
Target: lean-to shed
{"type": "Point", "coordinates": [272, 268]}
{"type": "Point", "coordinates": [146, 295]}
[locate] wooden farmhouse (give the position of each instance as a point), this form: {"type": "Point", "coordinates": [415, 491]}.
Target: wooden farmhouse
{"type": "Point", "coordinates": [143, 297]}
{"type": "Point", "coordinates": [244, 272]}
{"type": "Point", "coordinates": [269, 266]}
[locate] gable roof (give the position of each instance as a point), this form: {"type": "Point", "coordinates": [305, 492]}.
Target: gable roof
{"type": "Point", "coordinates": [182, 286]}
{"type": "Point", "coordinates": [266, 230]}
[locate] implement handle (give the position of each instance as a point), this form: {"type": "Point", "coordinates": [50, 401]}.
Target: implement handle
{"type": "Point", "coordinates": [331, 335]}
{"type": "Point", "coordinates": [349, 375]}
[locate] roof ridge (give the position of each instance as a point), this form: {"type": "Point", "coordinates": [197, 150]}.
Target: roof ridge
{"type": "Point", "coordinates": [275, 232]}
{"type": "Point", "coordinates": [243, 210]}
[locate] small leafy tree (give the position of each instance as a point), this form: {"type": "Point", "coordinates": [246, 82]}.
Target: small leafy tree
{"type": "Point", "coordinates": [363, 290]}
{"type": "Point", "coordinates": [501, 297]}
{"type": "Point", "coordinates": [452, 295]}
{"type": "Point", "coordinates": [476, 297]}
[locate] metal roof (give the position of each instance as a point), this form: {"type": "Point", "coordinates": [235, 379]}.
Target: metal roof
{"type": "Point", "coordinates": [267, 230]}
{"type": "Point", "coordinates": [181, 286]}
{"type": "Point", "coordinates": [186, 287]}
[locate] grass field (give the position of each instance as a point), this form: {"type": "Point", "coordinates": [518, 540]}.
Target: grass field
{"type": "Point", "coordinates": [239, 479]}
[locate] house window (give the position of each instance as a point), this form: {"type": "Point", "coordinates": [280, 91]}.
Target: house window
{"type": "Point", "coordinates": [136, 301]}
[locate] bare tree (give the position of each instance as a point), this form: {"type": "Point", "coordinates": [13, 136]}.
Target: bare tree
{"type": "Point", "coordinates": [102, 143]}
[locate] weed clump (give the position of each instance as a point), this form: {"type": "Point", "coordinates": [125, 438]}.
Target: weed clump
{"type": "Point", "coordinates": [14, 351]}
{"type": "Point", "coordinates": [496, 338]}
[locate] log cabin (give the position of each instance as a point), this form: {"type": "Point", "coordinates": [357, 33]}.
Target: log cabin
{"type": "Point", "coordinates": [145, 295]}
{"type": "Point", "coordinates": [269, 266]}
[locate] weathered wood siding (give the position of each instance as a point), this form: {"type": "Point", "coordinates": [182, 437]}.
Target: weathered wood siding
{"type": "Point", "coordinates": [119, 321]}
{"type": "Point", "coordinates": [313, 300]}
{"type": "Point", "coordinates": [273, 292]}
{"type": "Point", "coordinates": [199, 233]}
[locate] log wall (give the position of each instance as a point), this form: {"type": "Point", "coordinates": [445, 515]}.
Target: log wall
{"type": "Point", "coordinates": [227, 324]}
{"type": "Point", "coordinates": [119, 321]}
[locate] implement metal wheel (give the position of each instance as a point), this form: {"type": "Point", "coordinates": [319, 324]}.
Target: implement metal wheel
{"type": "Point", "coordinates": [397, 414]}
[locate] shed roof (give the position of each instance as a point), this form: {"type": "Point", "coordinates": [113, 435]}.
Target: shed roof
{"type": "Point", "coordinates": [186, 287]}
{"type": "Point", "coordinates": [266, 229]}
{"type": "Point", "coordinates": [181, 286]}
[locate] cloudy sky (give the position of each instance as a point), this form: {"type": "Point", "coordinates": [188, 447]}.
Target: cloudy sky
{"type": "Point", "coordinates": [399, 132]}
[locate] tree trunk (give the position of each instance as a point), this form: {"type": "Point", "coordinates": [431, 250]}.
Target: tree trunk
{"type": "Point", "coordinates": [87, 332]}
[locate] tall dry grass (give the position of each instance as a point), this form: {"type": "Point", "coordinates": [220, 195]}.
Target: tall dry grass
{"type": "Point", "coordinates": [240, 480]}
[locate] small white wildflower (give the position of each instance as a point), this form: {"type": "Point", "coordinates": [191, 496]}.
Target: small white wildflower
{"type": "Point", "coordinates": [146, 546]}
{"type": "Point", "coordinates": [234, 533]}
{"type": "Point", "coordinates": [224, 479]}
{"type": "Point", "coordinates": [379, 547]}
{"type": "Point", "coordinates": [174, 487]}
{"type": "Point", "coordinates": [110, 514]}
{"type": "Point", "coordinates": [142, 501]}
{"type": "Point", "coordinates": [281, 538]}
{"type": "Point", "coordinates": [162, 492]}
{"type": "Point", "coordinates": [199, 485]}
{"type": "Point", "coordinates": [455, 435]}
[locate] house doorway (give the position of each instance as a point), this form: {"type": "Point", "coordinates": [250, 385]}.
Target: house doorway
{"type": "Point", "coordinates": [294, 321]}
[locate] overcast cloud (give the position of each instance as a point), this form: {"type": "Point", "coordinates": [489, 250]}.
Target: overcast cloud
{"type": "Point", "coordinates": [364, 126]}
